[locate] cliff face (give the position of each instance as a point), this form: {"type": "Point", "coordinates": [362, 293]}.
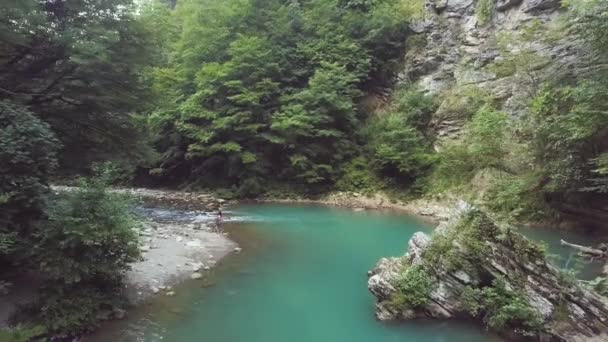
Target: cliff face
{"type": "Point", "coordinates": [504, 280]}
{"type": "Point", "coordinates": [504, 47]}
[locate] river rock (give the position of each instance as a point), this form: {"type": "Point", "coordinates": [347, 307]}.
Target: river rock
{"type": "Point", "coordinates": [568, 310]}
{"type": "Point", "coordinates": [196, 275]}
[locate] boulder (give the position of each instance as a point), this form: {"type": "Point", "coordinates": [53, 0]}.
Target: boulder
{"type": "Point", "coordinates": [565, 309]}
{"type": "Point", "coordinates": [542, 5]}
{"type": "Point", "coordinates": [503, 5]}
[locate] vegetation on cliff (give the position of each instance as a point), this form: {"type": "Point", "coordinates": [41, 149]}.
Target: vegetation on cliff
{"type": "Point", "coordinates": [470, 267]}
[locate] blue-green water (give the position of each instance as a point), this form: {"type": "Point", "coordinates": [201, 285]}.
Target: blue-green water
{"type": "Point", "coordinates": [301, 277]}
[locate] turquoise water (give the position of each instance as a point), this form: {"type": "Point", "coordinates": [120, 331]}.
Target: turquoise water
{"type": "Point", "coordinates": [566, 257]}
{"type": "Point", "coordinates": [301, 277]}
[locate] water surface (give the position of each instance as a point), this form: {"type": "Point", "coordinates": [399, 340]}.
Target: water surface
{"type": "Point", "coordinates": [301, 277]}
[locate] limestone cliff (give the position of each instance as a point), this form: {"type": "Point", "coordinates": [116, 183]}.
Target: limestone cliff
{"type": "Point", "coordinates": [534, 299]}
{"type": "Point", "coordinates": [505, 47]}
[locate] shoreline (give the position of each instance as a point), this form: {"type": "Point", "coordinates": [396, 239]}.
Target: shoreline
{"type": "Point", "coordinates": [428, 210]}
{"type": "Point", "coordinates": [173, 251]}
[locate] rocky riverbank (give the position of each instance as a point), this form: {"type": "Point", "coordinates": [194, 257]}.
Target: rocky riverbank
{"type": "Point", "coordinates": [432, 210]}
{"type": "Point", "coordinates": [179, 239]}
{"type": "Point", "coordinates": [475, 269]}
{"type": "Point", "coordinates": [175, 252]}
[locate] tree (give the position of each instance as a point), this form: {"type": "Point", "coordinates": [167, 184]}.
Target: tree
{"type": "Point", "coordinates": [27, 158]}
{"type": "Point", "coordinates": [261, 91]}
{"type": "Point", "coordinates": [75, 64]}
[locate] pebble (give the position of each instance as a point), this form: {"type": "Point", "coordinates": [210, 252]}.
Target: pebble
{"type": "Point", "coordinates": [155, 289]}
{"type": "Point", "coordinates": [196, 275]}
{"type": "Point", "coordinates": [171, 293]}
{"type": "Point", "coordinates": [238, 249]}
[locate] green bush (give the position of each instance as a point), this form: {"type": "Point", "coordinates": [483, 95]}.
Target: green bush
{"type": "Point", "coordinates": [88, 243]}
{"type": "Point", "coordinates": [483, 144]}
{"type": "Point", "coordinates": [501, 309]}
{"type": "Point", "coordinates": [71, 310]}
{"type": "Point", "coordinates": [21, 334]}
{"type": "Point", "coordinates": [515, 197]}
{"type": "Point", "coordinates": [414, 287]}
{"type": "Point", "coordinates": [250, 188]}
{"type": "Point", "coordinates": [398, 150]}
{"type": "Point", "coordinates": [566, 129]}
{"type": "Point", "coordinates": [416, 107]}
{"type": "Point", "coordinates": [91, 234]}
{"type": "Point", "coordinates": [27, 157]}
{"type": "Point", "coordinates": [358, 176]}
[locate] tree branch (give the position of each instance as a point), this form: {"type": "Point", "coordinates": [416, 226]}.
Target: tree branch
{"type": "Point", "coordinates": [585, 250]}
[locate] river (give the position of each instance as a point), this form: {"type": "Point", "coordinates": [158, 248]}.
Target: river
{"type": "Point", "coordinates": [301, 277]}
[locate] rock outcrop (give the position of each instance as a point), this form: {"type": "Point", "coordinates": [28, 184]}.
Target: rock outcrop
{"type": "Point", "coordinates": [475, 255]}
{"type": "Point", "coordinates": [462, 48]}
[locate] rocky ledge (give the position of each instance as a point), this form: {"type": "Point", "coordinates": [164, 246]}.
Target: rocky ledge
{"type": "Point", "coordinates": [471, 268]}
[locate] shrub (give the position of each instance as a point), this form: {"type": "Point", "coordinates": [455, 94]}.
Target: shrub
{"type": "Point", "coordinates": [27, 157]}
{"type": "Point", "coordinates": [415, 106]}
{"type": "Point", "coordinates": [482, 145]}
{"type": "Point", "coordinates": [515, 197]}
{"type": "Point", "coordinates": [21, 334]}
{"type": "Point", "coordinates": [463, 102]}
{"type": "Point", "coordinates": [250, 188]}
{"type": "Point", "coordinates": [85, 248]}
{"type": "Point", "coordinates": [398, 150]}
{"type": "Point", "coordinates": [501, 308]}
{"type": "Point", "coordinates": [414, 287]}
{"type": "Point", "coordinates": [91, 234]}
{"type": "Point", "coordinates": [398, 147]}
{"type": "Point", "coordinates": [76, 309]}
{"type": "Point", "coordinates": [566, 130]}
{"type": "Point", "coordinates": [359, 176]}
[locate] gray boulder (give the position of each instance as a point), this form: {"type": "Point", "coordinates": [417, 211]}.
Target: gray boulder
{"type": "Point", "coordinates": [565, 309]}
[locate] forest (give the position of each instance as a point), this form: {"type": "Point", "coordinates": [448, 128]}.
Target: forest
{"type": "Point", "coordinates": [261, 99]}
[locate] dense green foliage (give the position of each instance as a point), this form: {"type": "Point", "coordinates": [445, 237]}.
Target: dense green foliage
{"type": "Point", "coordinates": [70, 78]}
{"type": "Point", "coordinates": [501, 308]}
{"type": "Point", "coordinates": [255, 91]}
{"type": "Point", "coordinates": [27, 157]}
{"type": "Point", "coordinates": [414, 287]}
{"type": "Point", "coordinates": [75, 64]}
{"type": "Point", "coordinates": [396, 142]}
{"type": "Point", "coordinates": [83, 250]}
{"type": "Point", "coordinates": [21, 334]}
{"type": "Point", "coordinates": [567, 127]}
{"type": "Point", "coordinates": [483, 145]}
{"type": "Point", "coordinates": [90, 216]}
